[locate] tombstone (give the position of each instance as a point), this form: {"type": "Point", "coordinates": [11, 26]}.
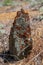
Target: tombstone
{"type": "Point", "coordinates": [20, 42]}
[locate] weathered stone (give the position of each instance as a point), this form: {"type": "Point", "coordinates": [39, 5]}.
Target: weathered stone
{"type": "Point", "coordinates": [20, 35]}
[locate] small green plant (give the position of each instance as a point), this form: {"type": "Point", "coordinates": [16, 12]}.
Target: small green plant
{"type": "Point", "coordinates": [7, 2]}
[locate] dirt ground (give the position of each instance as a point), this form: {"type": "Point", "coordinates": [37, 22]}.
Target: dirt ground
{"type": "Point", "coordinates": [6, 20]}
